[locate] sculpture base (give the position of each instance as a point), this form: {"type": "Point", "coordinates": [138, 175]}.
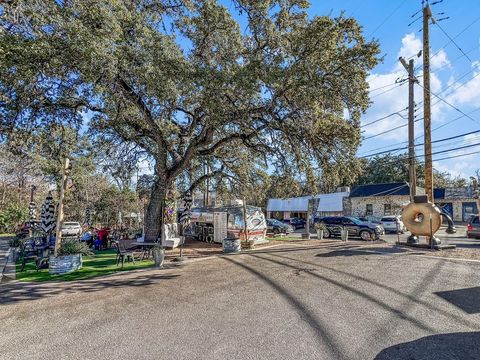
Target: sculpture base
{"type": "Point", "coordinates": [412, 239]}
{"type": "Point", "coordinates": [434, 241]}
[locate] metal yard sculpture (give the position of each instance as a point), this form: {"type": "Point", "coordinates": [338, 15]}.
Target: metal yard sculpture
{"type": "Point", "coordinates": [48, 215]}
{"type": "Point", "coordinates": [423, 218]}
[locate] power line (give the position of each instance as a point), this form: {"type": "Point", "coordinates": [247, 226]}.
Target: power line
{"type": "Point", "coordinates": [389, 130]}
{"type": "Point", "coordinates": [433, 142]}
{"type": "Point", "coordinates": [383, 92]}
{"type": "Point", "coordinates": [388, 85]}
{"type": "Point", "coordinates": [396, 161]}
{"type": "Point", "coordinates": [452, 106]}
{"type": "Point", "coordinates": [385, 117]}
{"type": "Point", "coordinates": [453, 41]}
{"type": "Point", "coordinates": [456, 36]}
{"type": "Point", "coordinates": [418, 137]}
{"type": "Point", "coordinates": [387, 18]}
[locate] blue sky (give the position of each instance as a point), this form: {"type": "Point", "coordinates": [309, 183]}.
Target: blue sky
{"type": "Point", "coordinates": [453, 74]}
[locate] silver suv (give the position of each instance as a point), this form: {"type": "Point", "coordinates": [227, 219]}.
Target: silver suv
{"type": "Point", "coordinates": [71, 228]}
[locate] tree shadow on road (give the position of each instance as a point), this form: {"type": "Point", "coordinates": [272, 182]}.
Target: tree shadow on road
{"type": "Point", "coordinates": [410, 297]}
{"type": "Point", "coordinates": [333, 344]}
{"type": "Point", "coordinates": [363, 252]}
{"type": "Point", "coordinates": [466, 299]}
{"type": "Point", "coordinates": [15, 292]}
{"type": "Point", "coordinates": [464, 346]}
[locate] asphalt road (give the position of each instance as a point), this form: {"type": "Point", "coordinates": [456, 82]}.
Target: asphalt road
{"type": "Point", "coordinates": [328, 302]}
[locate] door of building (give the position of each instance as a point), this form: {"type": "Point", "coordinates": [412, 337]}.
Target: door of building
{"type": "Point", "coordinates": [469, 209]}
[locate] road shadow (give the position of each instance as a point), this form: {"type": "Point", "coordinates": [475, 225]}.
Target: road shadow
{"type": "Point", "coordinates": [467, 299]}
{"type": "Point", "coordinates": [363, 252]}
{"type": "Point", "coordinates": [454, 346]}
{"type": "Point", "coordinates": [355, 291]}
{"type": "Point", "coordinates": [18, 291]}
{"type": "Point", "coordinates": [334, 346]}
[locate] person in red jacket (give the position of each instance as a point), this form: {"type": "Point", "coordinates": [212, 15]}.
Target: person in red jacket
{"type": "Point", "coordinates": [103, 236]}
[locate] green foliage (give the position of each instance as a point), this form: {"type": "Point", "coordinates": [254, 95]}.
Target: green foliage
{"type": "Point", "coordinates": [12, 216]}
{"type": "Point", "coordinates": [276, 94]}
{"type": "Point", "coordinates": [15, 242]}
{"type": "Point", "coordinates": [394, 168]}
{"type": "Point", "coordinates": [72, 247]}
{"type": "Point", "coordinates": [320, 226]}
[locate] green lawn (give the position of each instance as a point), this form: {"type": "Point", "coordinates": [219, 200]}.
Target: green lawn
{"type": "Point", "coordinates": [102, 263]}
{"type": "Point", "coordinates": [285, 238]}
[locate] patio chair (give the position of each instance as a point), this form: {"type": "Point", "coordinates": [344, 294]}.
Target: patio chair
{"type": "Point", "coordinates": [30, 251]}
{"type": "Point", "coordinates": [122, 253]}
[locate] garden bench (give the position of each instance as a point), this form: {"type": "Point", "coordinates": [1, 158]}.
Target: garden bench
{"type": "Point", "coordinates": [170, 236]}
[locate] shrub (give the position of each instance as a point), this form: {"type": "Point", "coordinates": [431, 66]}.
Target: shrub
{"type": "Point", "coordinates": [12, 216]}
{"type": "Point", "coordinates": [15, 242]}
{"type": "Point", "coordinates": [320, 226]}
{"type": "Point", "coordinates": [71, 247]}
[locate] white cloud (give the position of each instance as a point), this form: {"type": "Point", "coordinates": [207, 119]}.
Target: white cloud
{"type": "Point", "coordinates": [387, 100]}
{"type": "Point", "coordinates": [411, 46]}
{"type": "Point", "coordinates": [439, 60]}
{"type": "Point", "coordinates": [467, 93]}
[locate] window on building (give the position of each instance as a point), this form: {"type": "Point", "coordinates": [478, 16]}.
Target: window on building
{"type": "Point", "coordinates": [369, 210]}
{"type": "Point", "coordinates": [387, 209]}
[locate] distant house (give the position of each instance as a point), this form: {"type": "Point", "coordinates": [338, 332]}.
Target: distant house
{"type": "Point", "coordinates": [459, 202]}
{"type": "Point", "coordinates": [323, 205]}
{"type": "Point", "coordinates": [377, 200]}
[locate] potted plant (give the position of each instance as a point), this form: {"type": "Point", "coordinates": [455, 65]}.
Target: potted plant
{"type": "Point", "coordinates": [158, 255]}
{"type": "Point", "coordinates": [69, 257]}
{"type": "Point", "coordinates": [320, 227]}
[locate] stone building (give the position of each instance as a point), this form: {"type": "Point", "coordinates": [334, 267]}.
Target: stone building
{"type": "Point", "coordinates": [459, 202]}
{"type": "Point", "coordinates": [377, 200]}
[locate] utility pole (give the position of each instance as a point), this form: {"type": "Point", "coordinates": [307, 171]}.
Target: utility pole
{"type": "Point", "coordinates": [411, 126]}
{"type": "Point", "coordinates": [427, 15]}
{"type": "Point", "coordinates": [63, 186]}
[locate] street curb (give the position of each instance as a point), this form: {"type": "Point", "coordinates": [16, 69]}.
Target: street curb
{"type": "Point", "coordinates": [8, 270]}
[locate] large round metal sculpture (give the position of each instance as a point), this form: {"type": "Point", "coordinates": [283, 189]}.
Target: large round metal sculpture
{"type": "Point", "coordinates": [423, 218]}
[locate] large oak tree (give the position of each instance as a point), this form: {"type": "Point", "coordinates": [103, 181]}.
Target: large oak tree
{"type": "Point", "coordinates": [191, 82]}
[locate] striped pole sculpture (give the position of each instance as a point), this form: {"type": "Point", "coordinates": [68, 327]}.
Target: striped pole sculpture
{"type": "Point", "coordinates": [186, 213]}
{"type": "Point", "coordinates": [48, 215]}
{"type": "Point", "coordinates": [185, 217]}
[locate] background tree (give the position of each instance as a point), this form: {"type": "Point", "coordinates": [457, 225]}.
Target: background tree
{"type": "Point", "coordinates": [277, 91]}
{"type": "Point", "coordinates": [390, 168]}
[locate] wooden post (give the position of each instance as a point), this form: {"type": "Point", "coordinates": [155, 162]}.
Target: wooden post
{"type": "Point", "coordinates": [30, 228]}
{"type": "Point", "coordinates": [427, 14]}
{"type": "Point", "coordinates": [411, 130]}
{"type": "Point", "coordinates": [411, 126]}
{"type": "Point", "coordinates": [245, 228]}
{"type": "Point", "coordinates": [63, 186]}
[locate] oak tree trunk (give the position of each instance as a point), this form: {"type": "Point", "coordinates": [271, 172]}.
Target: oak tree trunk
{"type": "Point", "coordinates": [154, 218]}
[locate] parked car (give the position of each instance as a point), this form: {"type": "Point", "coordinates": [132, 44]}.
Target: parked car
{"type": "Point", "coordinates": [473, 227]}
{"type": "Point", "coordinates": [393, 224]}
{"type": "Point", "coordinates": [297, 223]}
{"type": "Point", "coordinates": [277, 227]}
{"type": "Point", "coordinates": [371, 220]}
{"type": "Point", "coordinates": [71, 228]}
{"type": "Point", "coordinates": [355, 227]}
